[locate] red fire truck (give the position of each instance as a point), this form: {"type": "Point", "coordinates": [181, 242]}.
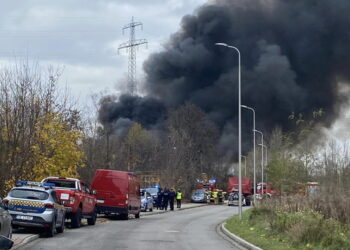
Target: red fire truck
{"type": "Point", "coordinates": [247, 190]}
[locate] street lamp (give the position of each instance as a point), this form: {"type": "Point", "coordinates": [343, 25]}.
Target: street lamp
{"type": "Point", "coordinates": [265, 160]}
{"type": "Point", "coordinates": [245, 165]}
{"type": "Point", "coordinates": [262, 160]}
{"type": "Point", "coordinates": [249, 108]}
{"type": "Point", "coordinates": [239, 129]}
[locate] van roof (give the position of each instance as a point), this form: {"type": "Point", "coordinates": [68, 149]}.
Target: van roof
{"type": "Point", "coordinates": [116, 171]}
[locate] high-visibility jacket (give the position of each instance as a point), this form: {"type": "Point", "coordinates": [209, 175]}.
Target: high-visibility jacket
{"type": "Point", "coordinates": [215, 194]}
{"type": "Point", "coordinates": [178, 195]}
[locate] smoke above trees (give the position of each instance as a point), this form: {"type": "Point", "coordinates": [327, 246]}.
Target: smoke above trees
{"type": "Point", "coordinates": [294, 54]}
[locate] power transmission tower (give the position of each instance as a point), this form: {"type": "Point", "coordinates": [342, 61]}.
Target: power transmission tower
{"type": "Point", "coordinates": [131, 47]}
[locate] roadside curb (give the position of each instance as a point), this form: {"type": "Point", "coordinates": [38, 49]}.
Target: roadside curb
{"type": "Point", "coordinates": [167, 211]}
{"type": "Point", "coordinates": [237, 239]}
{"type": "Point", "coordinates": [26, 241]}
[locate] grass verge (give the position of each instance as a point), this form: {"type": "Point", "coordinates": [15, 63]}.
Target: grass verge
{"type": "Point", "coordinates": [299, 230]}
{"type": "Point", "coordinates": [257, 234]}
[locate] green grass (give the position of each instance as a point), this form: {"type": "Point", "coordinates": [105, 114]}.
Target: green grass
{"type": "Point", "coordinates": [259, 234]}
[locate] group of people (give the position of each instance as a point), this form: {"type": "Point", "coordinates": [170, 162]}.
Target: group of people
{"type": "Point", "coordinates": [166, 197]}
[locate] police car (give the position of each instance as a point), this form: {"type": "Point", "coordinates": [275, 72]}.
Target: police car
{"type": "Point", "coordinates": [35, 204]}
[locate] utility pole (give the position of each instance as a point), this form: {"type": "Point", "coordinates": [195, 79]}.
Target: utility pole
{"type": "Point", "coordinates": [131, 47]}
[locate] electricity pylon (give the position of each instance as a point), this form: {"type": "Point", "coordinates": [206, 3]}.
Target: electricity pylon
{"type": "Point", "coordinates": [131, 47]}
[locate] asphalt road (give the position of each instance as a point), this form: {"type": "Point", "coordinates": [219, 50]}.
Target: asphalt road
{"type": "Point", "coordinates": [187, 229]}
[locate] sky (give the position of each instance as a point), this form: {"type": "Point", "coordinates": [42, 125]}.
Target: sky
{"type": "Point", "coordinates": [82, 37]}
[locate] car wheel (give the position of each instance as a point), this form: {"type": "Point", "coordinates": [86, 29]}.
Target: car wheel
{"type": "Point", "coordinates": [60, 229]}
{"type": "Point", "coordinates": [10, 233]}
{"type": "Point", "coordinates": [151, 209]}
{"type": "Point", "coordinates": [92, 221]}
{"type": "Point", "coordinates": [50, 232]}
{"type": "Point", "coordinates": [137, 216]}
{"type": "Point", "coordinates": [124, 216]}
{"type": "Point", "coordinates": [76, 219]}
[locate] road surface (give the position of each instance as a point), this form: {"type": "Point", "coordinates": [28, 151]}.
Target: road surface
{"type": "Point", "coordinates": [189, 229]}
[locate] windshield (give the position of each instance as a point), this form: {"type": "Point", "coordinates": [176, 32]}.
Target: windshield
{"type": "Point", "coordinates": [152, 190]}
{"type": "Point", "coordinates": [198, 193]}
{"type": "Point", "coordinates": [29, 194]}
{"type": "Point", "coordinates": [62, 183]}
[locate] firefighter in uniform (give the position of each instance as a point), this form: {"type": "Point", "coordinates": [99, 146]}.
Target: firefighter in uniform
{"type": "Point", "coordinates": [178, 198]}
{"type": "Point", "coordinates": [215, 196]}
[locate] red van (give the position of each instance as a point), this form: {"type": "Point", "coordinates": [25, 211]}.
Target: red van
{"type": "Point", "coordinates": [117, 192]}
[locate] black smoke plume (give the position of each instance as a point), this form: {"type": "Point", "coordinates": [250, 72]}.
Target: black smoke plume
{"type": "Point", "coordinates": [294, 53]}
{"type": "Point", "coordinates": [119, 114]}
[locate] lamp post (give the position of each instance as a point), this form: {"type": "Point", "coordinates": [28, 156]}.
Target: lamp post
{"type": "Point", "coordinates": [254, 181]}
{"type": "Point", "coordinates": [262, 160]}
{"type": "Point", "coordinates": [245, 165]}
{"type": "Point", "coordinates": [239, 129]}
{"type": "Point", "coordinates": [265, 147]}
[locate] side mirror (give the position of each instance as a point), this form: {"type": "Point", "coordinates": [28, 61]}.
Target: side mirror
{"type": "Point", "coordinates": [5, 243]}
{"type": "Point", "coordinates": [93, 192]}
{"type": "Point", "coordinates": [4, 206]}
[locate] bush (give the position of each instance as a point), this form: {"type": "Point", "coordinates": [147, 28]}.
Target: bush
{"type": "Point", "coordinates": [262, 216]}
{"type": "Point", "coordinates": [303, 227]}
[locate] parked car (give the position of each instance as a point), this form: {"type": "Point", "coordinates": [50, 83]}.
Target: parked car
{"type": "Point", "coordinates": [233, 199]}
{"type": "Point", "coordinates": [5, 221]}
{"type": "Point", "coordinates": [154, 193]}
{"type": "Point", "coordinates": [146, 201]}
{"type": "Point", "coordinates": [5, 243]}
{"type": "Point", "coordinates": [199, 196]}
{"type": "Point", "coordinates": [35, 204]}
{"type": "Point", "coordinates": [77, 199]}
{"type": "Point", "coordinates": [117, 193]}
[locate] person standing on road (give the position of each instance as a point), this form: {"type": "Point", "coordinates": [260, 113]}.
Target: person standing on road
{"type": "Point", "coordinates": [178, 198]}
{"type": "Point", "coordinates": [160, 199]}
{"type": "Point", "coordinates": [215, 196]}
{"type": "Point", "coordinates": [171, 199]}
{"type": "Point", "coordinates": [165, 198]}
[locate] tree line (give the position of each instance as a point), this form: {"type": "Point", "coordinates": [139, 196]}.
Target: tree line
{"type": "Point", "coordinates": [39, 131]}
{"type": "Point", "coordinates": [42, 133]}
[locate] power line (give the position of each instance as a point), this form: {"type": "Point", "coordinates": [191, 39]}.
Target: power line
{"type": "Point", "coordinates": [131, 47]}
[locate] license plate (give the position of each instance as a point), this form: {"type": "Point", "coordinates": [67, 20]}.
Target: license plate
{"type": "Point", "coordinates": [24, 217]}
{"type": "Point", "coordinates": [64, 196]}
{"type": "Point", "coordinates": [100, 201]}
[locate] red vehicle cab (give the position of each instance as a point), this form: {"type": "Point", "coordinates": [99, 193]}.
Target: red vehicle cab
{"type": "Point", "coordinates": [77, 199]}
{"type": "Point", "coordinates": [267, 190]}
{"type": "Point", "coordinates": [118, 192]}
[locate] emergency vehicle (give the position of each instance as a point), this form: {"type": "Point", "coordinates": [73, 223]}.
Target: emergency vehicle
{"type": "Point", "coordinates": [35, 204]}
{"type": "Point", "coordinates": [247, 191]}
{"type": "Point", "coordinates": [78, 200]}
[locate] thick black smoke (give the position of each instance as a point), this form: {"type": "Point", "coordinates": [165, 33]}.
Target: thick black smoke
{"type": "Point", "coordinates": [118, 115]}
{"type": "Point", "coordinates": [294, 53]}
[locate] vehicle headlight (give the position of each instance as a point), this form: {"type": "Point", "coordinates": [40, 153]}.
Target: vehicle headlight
{"type": "Point", "coordinates": [71, 200]}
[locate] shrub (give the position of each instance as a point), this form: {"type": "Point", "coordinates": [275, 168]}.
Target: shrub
{"type": "Point", "coordinates": [262, 216]}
